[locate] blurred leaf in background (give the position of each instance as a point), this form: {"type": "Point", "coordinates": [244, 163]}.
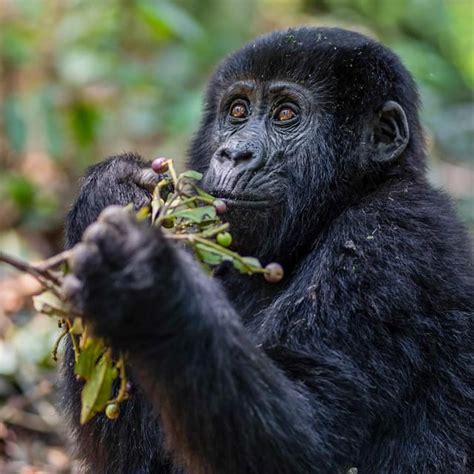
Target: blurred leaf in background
{"type": "Point", "coordinates": [80, 80]}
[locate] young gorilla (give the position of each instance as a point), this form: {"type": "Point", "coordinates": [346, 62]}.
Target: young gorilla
{"type": "Point", "coordinates": [361, 356]}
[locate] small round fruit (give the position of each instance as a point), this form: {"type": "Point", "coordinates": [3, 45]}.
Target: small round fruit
{"type": "Point", "coordinates": [112, 411]}
{"type": "Point", "coordinates": [159, 165]}
{"type": "Point", "coordinates": [168, 223]}
{"type": "Point", "coordinates": [220, 205]}
{"type": "Point", "coordinates": [273, 272]}
{"type": "Point", "coordinates": [224, 239]}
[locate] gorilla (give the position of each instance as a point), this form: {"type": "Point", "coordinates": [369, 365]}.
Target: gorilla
{"type": "Point", "coordinates": [362, 356]}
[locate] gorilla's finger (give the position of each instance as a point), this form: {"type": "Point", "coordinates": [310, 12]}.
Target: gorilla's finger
{"type": "Point", "coordinates": [113, 214]}
{"type": "Point", "coordinates": [122, 220]}
{"type": "Point", "coordinates": [85, 258]}
{"type": "Point", "coordinates": [96, 232]}
{"type": "Point", "coordinates": [71, 288]}
{"type": "Point", "coordinates": [147, 179]}
{"type": "Point", "coordinates": [109, 238]}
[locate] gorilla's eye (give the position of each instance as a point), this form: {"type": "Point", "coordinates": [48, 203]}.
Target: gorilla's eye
{"type": "Point", "coordinates": [239, 110]}
{"type": "Point", "coordinates": [284, 114]}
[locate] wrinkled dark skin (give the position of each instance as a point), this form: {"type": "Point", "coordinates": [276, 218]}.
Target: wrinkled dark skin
{"type": "Point", "coordinates": [361, 356]}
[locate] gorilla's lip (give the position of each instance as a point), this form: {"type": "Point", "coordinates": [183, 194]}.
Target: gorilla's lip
{"type": "Point", "coordinates": [242, 200]}
{"type": "Point", "coordinates": [246, 202]}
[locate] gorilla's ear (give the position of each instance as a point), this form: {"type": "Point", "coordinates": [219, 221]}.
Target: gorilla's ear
{"type": "Point", "coordinates": [391, 133]}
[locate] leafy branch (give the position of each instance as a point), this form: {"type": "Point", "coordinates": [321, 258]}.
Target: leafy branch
{"type": "Point", "coordinates": [184, 212]}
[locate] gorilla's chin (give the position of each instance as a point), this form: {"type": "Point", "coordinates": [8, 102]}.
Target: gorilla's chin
{"type": "Point", "coordinates": [256, 227]}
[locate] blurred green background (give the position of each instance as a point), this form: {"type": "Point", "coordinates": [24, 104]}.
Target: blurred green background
{"type": "Point", "coordinates": [80, 80]}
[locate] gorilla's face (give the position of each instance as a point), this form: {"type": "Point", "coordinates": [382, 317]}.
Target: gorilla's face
{"type": "Point", "coordinates": [296, 125]}
{"type": "Point", "coordinates": [260, 130]}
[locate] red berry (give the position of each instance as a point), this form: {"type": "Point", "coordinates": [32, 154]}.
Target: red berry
{"type": "Point", "coordinates": [273, 272]}
{"type": "Point", "coordinates": [159, 165]}
{"type": "Point", "coordinates": [220, 205]}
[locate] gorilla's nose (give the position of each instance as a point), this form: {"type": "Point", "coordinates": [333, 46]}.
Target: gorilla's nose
{"type": "Point", "coordinates": [249, 157]}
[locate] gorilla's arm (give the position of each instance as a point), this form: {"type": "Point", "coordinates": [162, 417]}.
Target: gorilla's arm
{"type": "Point", "coordinates": [224, 404]}
{"type": "Point", "coordinates": [353, 319]}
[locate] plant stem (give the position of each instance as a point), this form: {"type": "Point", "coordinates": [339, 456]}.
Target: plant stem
{"type": "Point", "coordinates": [192, 237]}
{"type": "Point", "coordinates": [172, 172]}
{"type": "Point", "coordinates": [212, 232]}
{"type": "Point", "coordinates": [54, 261]}
{"type": "Point", "coordinates": [122, 393]}
{"type": "Point", "coordinates": [54, 352]}
{"type": "Point", "coordinates": [43, 276]}
{"type": "Point", "coordinates": [225, 251]}
{"type": "Point", "coordinates": [75, 346]}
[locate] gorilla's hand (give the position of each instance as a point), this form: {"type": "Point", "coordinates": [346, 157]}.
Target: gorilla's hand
{"type": "Point", "coordinates": [120, 180]}
{"type": "Point", "coordinates": [116, 269]}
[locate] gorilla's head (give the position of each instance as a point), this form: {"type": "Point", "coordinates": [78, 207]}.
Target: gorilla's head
{"type": "Point", "coordinates": [297, 124]}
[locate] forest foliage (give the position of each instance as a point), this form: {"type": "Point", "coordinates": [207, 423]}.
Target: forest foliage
{"type": "Point", "coordinates": [80, 80]}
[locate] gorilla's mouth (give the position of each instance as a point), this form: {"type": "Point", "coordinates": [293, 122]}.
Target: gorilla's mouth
{"type": "Point", "coordinates": [246, 202]}
{"type": "Point", "coordinates": [242, 200]}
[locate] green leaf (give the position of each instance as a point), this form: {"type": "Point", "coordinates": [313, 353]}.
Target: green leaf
{"type": "Point", "coordinates": [247, 265]}
{"type": "Point", "coordinates": [21, 191]}
{"type": "Point", "coordinates": [166, 20]}
{"type": "Point", "coordinates": [253, 262]}
{"type": "Point", "coordinates": [209, 255]}
{"type": "Point", "coordinates": [88, 357]}
{"type": "Point", "coordinates": [198, 214]}
{"type": "Point", "coordinates": [97, 391]}
{"type": "Point", "coordinates": [84, 120]}
{"type": "Point", "coordinates": [202, 193]}
{"type": "Point", "coordinates": [191, 175]}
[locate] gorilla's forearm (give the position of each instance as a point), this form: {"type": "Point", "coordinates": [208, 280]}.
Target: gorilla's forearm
{"type": "Point", "coordinates": [212, 387]}
{"type": "Point", "coordinates": [225, 405]}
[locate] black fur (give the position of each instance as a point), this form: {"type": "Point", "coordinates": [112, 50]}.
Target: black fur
{"type": "Point", "coordinates": [362, 355]}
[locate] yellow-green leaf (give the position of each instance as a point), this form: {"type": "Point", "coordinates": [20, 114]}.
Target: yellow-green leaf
{"type": "Point", "coordinates": [191, 174]}
{"type": "Point", "coordinates": [197, 214]}
{"type": "Point", "coordinates": [77, 326]}
{"type": "Point", "coordinates": [97, 391]}
{"type": "Point", "coordinates": [208, 254]}
{"type": "Point", "coordinates": [48, 303]}
{"type": "Point", "coordinates": [88, 357]}
{"type": "Point", "coordinates": [252, 262]}
{"type": "Point", "coordinates": [247, 265]}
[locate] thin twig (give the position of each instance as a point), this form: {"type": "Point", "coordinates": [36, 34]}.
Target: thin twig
{"type": "Point", "coordinates": [234, 255]}
{"type": "Point", "coordinates": [54, 261]}
{"type": "Point", "coordinates": [122, 393]}
{"type": "Point", "coordinates": [20, 265]}
{"type": "Point", "coordinates": [43, 276]}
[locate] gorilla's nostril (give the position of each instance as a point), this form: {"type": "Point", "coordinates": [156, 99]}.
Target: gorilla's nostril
{"type": "Point", "coordinates": [223, 154]}
{"type": "Point", "coordinates": [242, 156]}
{"type": "Point", "coordinates": [236, 155]}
